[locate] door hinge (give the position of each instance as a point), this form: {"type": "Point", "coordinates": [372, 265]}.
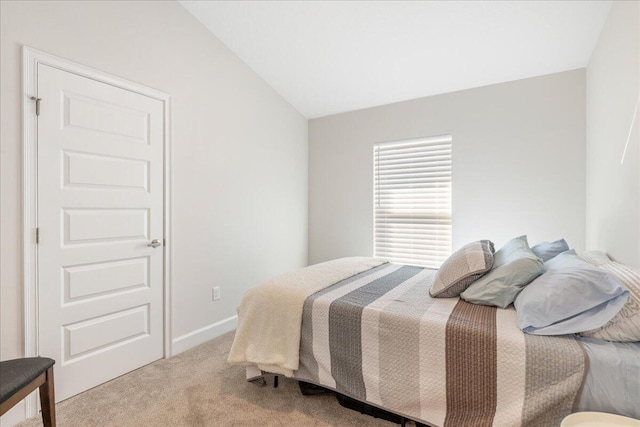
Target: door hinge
{"type": "Point", "coordinates": [37, 235]}
{"type": "Point", "coordinates": [35, 98]}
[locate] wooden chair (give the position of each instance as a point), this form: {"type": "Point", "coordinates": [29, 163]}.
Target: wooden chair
{"type": "Point", "coordinates": [19, 377]}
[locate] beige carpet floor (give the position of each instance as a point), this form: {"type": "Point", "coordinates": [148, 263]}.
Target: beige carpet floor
{"type": "Point", "coordinates": [198, 388]}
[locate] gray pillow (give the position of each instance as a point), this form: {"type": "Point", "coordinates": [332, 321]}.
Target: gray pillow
{"type": "Point", "coordinates": [514, 266]}
{"type": "Point", "coordinates": [548, 250]}
{"type": "Point", "coordinates": [462, 268]}
{"type": "Point", "coordinates": [572, 296]}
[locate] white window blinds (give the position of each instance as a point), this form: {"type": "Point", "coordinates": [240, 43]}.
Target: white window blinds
{"type": "Point", "coordinates": [412, 201]}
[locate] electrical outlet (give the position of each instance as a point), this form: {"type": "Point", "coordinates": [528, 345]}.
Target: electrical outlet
{"type": "Point", "coordinates": [216, 293]}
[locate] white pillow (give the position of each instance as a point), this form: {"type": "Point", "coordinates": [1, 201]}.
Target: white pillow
{"type": "Point", "coordinates": [595, 257]}
{"type": "Point", "coordinates": [625, 326]}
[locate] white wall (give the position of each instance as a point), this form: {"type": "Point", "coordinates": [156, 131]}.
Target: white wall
{"type": "Point", "coordinates": [518, 163]}
{"type": "Point", "coordinates": [239, 150]}
{"type": "Point", "coordinates": [613, 86]}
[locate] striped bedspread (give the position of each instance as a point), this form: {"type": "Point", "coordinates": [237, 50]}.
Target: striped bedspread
{"type": "Point", "coordinates": [379, 337]}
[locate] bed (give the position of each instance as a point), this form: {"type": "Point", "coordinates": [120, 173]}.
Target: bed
{"type": "Point", "coordinates": [377, 336]}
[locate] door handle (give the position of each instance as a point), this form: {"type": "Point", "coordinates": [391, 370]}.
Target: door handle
{"type": "Point", "coordinates": [154, 243]}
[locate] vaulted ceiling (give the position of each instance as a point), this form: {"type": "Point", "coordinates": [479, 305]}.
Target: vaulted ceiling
{"type": "Point", "coordinates": [327, 57]}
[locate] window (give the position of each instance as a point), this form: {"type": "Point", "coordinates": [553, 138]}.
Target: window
{"type": "Point", "coordinates": [412, 201]}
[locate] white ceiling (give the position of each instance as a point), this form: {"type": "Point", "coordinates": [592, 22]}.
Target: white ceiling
{"type": "Point", "coordinates": [327, 57]}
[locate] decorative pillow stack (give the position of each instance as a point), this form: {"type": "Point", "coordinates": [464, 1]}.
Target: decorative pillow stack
{"type": "Point", "coordinates": [625, 326]}
{"type": "Point", "coordinates": [466, 265]}
{"type": "Point", "coordinates": [570, 297]}
{"type": "Point", "coordinates": [514, 267]}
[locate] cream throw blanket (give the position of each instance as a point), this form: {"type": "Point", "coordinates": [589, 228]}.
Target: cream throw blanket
{"type": "Point", "coordinates": [270, 315]}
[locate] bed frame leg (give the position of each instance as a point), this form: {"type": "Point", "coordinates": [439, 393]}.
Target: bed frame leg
{"type": "Point", "coordinates": [403, 421]}
{"type": "Point", "coordinates": [275, 381]}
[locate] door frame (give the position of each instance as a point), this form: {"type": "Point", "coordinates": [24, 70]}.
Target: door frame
{"type": "Point", "coordinates": [30, 60]}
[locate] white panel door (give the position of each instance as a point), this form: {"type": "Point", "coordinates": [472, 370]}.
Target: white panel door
{"type": "Point", "coordinates": [100, 204]}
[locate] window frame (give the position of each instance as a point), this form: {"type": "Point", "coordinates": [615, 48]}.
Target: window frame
{"type": "Point", "coordinates": [440, 248]}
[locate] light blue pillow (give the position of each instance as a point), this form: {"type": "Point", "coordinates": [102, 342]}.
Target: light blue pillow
{"type": "Point", "coordinates": [514, 266]}
{"type": "Point", "coordinates": [548, 250]}
{"type": "Point", "coordinates": [572, 296]}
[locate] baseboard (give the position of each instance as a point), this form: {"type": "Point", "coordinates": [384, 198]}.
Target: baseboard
{"type": "Point", "coordinates": [199, 336]}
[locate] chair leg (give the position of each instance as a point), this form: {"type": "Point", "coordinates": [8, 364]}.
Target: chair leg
{"type": "Point", "coordinates": [48, 400]}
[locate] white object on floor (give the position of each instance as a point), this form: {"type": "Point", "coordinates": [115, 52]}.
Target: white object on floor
{"type": "Point", "coordinates": [253, 373]}
{"type": "Point", "coordinates": [598, 419]}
